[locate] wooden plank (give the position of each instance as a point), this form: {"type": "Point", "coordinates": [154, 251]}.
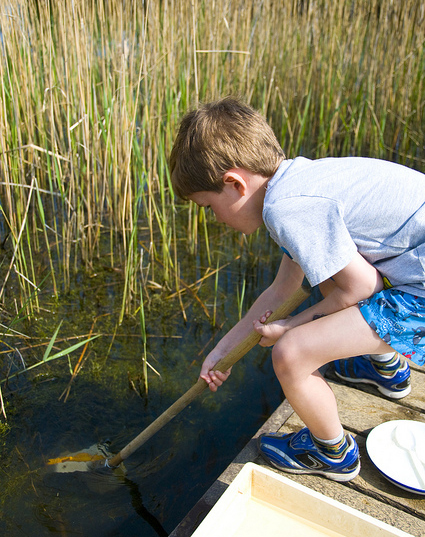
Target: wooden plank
{"type": "Point", "coordinates": [361, 411]}
{"type": "Point", "coordinates": [415, 400]}
{"type": "Point", "coordinates": [417, 397]}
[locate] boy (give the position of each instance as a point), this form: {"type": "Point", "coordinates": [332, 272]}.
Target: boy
{"type": "Point", "coordinates": [354, 226]}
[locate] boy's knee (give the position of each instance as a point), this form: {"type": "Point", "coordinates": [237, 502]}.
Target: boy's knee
{"type": "Point", "coordinates": [285, 355]}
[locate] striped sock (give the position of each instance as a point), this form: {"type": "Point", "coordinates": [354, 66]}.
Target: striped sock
{"type": "Point", "coordinates": [386, 364]}
{"type": "Point", "coordinates": [335, 448]}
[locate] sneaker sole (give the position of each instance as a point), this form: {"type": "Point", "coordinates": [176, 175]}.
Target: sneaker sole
{"type": "Point", "coordinates": [341, 478]}
{"type": "Point", "coordinates": [389, 393]}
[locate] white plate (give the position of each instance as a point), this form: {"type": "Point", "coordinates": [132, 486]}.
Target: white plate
{"type": "Point", "coordinates": [397, 449]}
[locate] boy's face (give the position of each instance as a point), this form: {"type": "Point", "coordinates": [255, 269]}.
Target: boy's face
{"type": "Point", "coordinates": [237, 205]}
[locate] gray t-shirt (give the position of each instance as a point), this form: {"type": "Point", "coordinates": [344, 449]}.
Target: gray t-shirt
{"type": "Point", "coordinates": [321, 211]}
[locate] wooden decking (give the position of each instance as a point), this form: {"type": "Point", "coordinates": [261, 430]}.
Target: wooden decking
{"type": "Point", "coordinates": [361, 409]}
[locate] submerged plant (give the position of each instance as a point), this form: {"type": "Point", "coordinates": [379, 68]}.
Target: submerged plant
{"type": "Point", "coordinates": [48, 357]}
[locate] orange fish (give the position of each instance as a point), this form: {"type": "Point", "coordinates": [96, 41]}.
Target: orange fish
{"type": "Point", "coordinates": [79, 457]}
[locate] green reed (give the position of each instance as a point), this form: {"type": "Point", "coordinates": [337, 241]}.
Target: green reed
{"type": "Point", "coordinates": [92, 92]}
{"type": "Point", "coordinates": [144, 340]}
{"type": "Point", "coordinates": [240, 298]}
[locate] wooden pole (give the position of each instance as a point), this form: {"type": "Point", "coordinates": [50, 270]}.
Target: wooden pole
{"type": "Point", "coordinates": [223, 365]}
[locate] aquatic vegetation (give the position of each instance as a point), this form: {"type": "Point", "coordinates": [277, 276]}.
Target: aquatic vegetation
{"type": "Point", "coordinates": [240, 298]}
{"type": "Point", "coordinates": [4, 430]}
{"type": "Point", "coordinates": [48, 356]}
{"type": "Point", "coordinates": [86, 129]}
{"type": "Point", "coordinates": [86, 204]}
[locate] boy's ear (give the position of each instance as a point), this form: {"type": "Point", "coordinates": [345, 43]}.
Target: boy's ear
{"type": "Point", "coordinates": [236, 179]}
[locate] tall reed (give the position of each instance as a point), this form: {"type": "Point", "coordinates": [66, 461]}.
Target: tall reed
{"type": "Point", "coordinates": [92, 91]}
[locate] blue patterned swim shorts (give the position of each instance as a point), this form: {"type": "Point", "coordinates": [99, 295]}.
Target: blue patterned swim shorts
{"type": "Point", "coordinates": [399, 319]}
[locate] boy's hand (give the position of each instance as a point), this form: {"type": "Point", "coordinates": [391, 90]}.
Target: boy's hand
{"type": "Point", "coordinates": [213, 378]}
{"type": "Point", "coordinates": [270, 332]}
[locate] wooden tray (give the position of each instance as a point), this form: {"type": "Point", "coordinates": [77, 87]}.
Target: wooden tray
{"type": "Point", "coordinates": [262, 502]}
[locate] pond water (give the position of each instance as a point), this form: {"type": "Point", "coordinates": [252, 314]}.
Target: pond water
{"type": "Point", "coordinates": [167, 475]}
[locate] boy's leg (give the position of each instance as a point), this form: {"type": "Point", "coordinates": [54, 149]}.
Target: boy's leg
{"type": "Point", "coordinates": [388, 372]}
{"type": "Point", "coordinates": [299, 354]}
{"type": "Point", "coordinates": [297, 357]}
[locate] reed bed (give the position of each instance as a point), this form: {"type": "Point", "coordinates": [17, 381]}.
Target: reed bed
{"type": "Point", "coordinates": [92, 92]}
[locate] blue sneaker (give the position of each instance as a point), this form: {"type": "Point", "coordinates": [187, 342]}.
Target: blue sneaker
{"type": "Point", "coordinates": [361, 369]}
{"type": "Point", "coordinates": [298, 454]}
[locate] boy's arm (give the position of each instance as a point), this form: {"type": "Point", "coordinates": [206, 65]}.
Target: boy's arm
{"type": "Point", "coordinates": [357, 281]}
{"type": "Point", "coordinates": [288, 279]}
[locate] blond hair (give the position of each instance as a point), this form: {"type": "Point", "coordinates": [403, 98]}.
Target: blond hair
{"type": "Point", "coordinates": [217, 137]}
